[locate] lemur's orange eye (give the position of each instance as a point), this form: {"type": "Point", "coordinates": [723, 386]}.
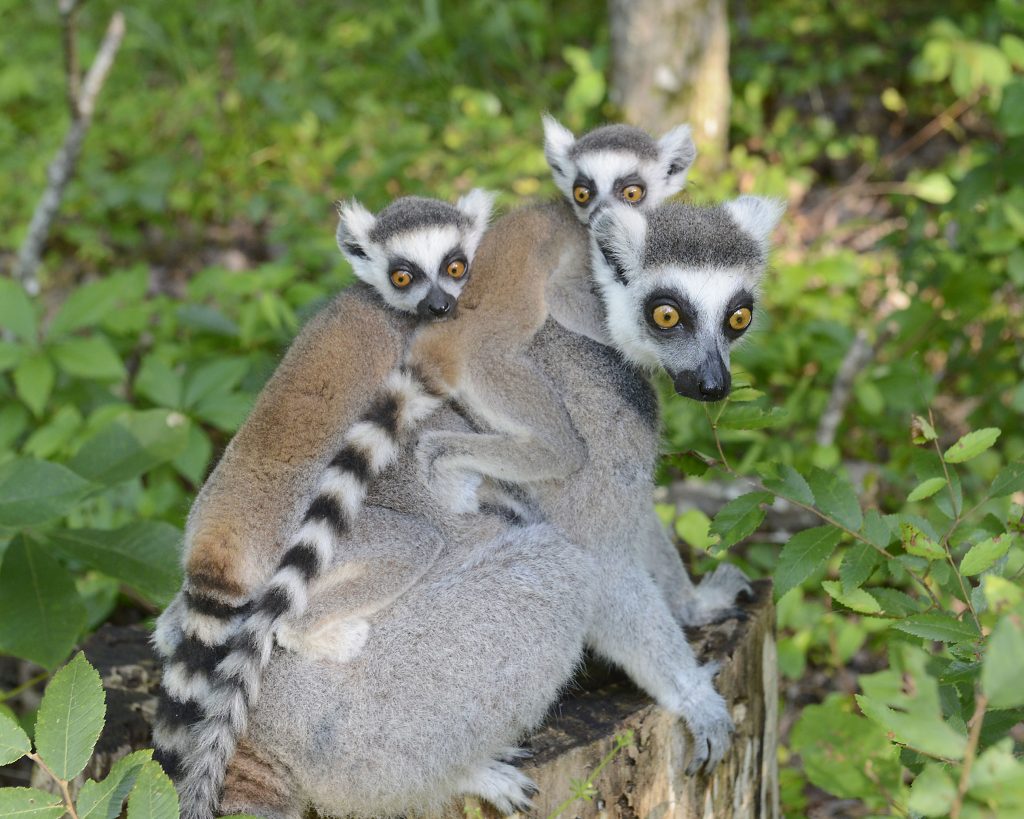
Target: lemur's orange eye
{"type": "Point", "coordinates": [633, 193]}
{"type": "Point", "coordinates": [456, 268]}
{"type": "Point", "coordinates": [401, 278]}
{"type": "Point", "coordinates": [665, 316]}
{"type": "Point", "coordinates": [740, 319]}
{"type": "Point", "coordinates": [581, 193]}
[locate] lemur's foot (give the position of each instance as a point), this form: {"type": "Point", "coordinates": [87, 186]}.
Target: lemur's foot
{"type": "Point", "coordinates": [334, 641]}
{"type": "Point", "coordinates": [499, 783]}
{"type": "Point", "coordinates": [453, 487]}
{"type": "Point", "coordinates": [707, 716]}
{"type": "Point", "coordinates": [716, 596]}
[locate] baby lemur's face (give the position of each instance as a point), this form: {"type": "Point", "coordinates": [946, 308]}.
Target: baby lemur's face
{"type": "Point", "coordinates": [617, 163]}
{"type": "Point", "coordinates": [679, 284]}
{"type": "Point", "coordinates": [417, 253]}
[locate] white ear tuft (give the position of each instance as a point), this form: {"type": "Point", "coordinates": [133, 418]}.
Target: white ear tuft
{"type": "Point", "coordinates": [477, 205]}
{"type": "Point", "coordinates": [676, 152]}
{"type": "Point", "coordinates": [558, 142]}
{"type": "Point", "coordinates": [354, 225]}
{"type": "Point", "coordinates": [757, 215]}
{"type": "Point", "coordinates": [620, 233]}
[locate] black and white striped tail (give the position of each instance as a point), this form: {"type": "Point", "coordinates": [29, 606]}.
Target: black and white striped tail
{"type": "Point", "coordinates": [214, 682]}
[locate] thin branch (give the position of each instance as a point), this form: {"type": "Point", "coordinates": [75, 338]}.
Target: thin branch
{"type": "Point", "coordinates": [68, 16]}
{"type": "Point", "coordinates": [69, 804]}
{"type": "Point", "coordinates": [25, 686]}
{"type": "Point", "coordinates": [980, 704]}
{"type": "Point", "coordinates": [62, 167]}
{"type": "Point", "coordinates": [859, 355]}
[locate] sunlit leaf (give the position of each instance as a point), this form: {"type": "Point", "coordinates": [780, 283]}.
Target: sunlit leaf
{"type": "Point", "coordinates": [70, 718]}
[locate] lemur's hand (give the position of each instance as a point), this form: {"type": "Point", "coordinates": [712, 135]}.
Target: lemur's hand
{"type": "Point", "coordinates": [452, 486]}
{"type": "Point", "coordinates": [707, 716]}
{"type": "Point", "coordinates": [715, 599]}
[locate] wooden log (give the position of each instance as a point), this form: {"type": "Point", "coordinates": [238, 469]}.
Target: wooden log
{"type": "Point", "coordinates": [645, 779]}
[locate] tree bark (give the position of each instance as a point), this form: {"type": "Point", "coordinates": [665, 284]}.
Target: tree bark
{"type": "Point", "coordinates": [670, 64]}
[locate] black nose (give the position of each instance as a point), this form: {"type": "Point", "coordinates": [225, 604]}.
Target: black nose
{"type": "Point", "coordinates": [436, 305]}
{"type": "Point", "coordinates": [712, 391]}
{"type": "Point", "coordinates": [439, 309]}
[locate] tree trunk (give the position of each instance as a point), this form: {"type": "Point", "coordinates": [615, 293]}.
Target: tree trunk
{"type": "Point", "coordinates": [670, 64]}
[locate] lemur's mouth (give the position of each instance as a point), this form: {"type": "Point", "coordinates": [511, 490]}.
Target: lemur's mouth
{"type": "Point", "coordinates": [707, 383]}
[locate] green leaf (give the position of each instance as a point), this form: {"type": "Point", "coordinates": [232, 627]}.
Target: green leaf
{"type": "Point", "coordinates": [935, 188]}
{"type": "Point", "coordinates": [16, 311]}
{"type": "Point", "coordinates": [983, 555]}
{"type": "Point", "coordinates": [803, 555]}
{"type": "Point", "coordinates": [70, 718]}
{"type": "Point", "coordinates": [33, 492]}
{"type": "Point", "coordinates": [29, 803]}
{"type": "Point", "coordinates": [1003, 670]}
{"type": "Point", "coordinates": [693, 526]}
{"type": "Point", "coordinates": [921, 432]}
{"type": "Point", "coordinates": [932, 792]}
{"type": "Point", "coordinates": [87, 306]}
{"type": "Point", "coordinates": [876, 529]}
{"type": "Point", "coordinates": [926, 489]}
{"type": "Point", "coordinates": [749, 416]}
{"type": "Point", "coordinates": [153, 796]}
{"type": "Point", "coordinates": [93, 358]}
{"type": "Point", "coordinates": [14, 742]}
{"type": "Point", "coordinates": [739, 518]}
{"type": "Point", "coordinates": [159, 382]}
{"type": "Point", "coordinates": [143, 554]}
{"type": "Point", "coordinates": [33, 381]}
{"type": "Point", "coordinates": [836, 497]}
{"type": "Point", "coordinates": [10, 354]}
{"type": "Point", "coordinates": [103, 800]}
{"type": "Point", "coordinates": [938, 626]}
{"type": "Point", "coordinates": [971, 445]}
{"type": "Point", "coordinates": [41, 614]}
{"type": "Point", "coordinates": [856, 599]}
{"type": "Point", "coordinates": [918, 543]}
{"type": "Point", "coordinates": [790, 484]}
{"type": "Point", "coordinates": [859, 561]}
{"type": "Point", "coordinates": [1009, 480]}
{"type": "Point", "coordinates": [220, 376]}
{"type": "Point", "coordinates": [131, 445]}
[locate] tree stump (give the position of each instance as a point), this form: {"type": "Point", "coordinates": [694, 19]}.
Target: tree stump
{"type": "Point", "coordinates": [643, 779]}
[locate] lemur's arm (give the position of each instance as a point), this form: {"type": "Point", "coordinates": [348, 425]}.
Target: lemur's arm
{"type": "Point", "coordinates": [248, 507]}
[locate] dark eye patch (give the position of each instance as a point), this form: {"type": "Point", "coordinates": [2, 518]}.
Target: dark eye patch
{"type": "Point", "coordinates": [454, 255]}
{"type": "Point", "coordinates": [687, 313]}
{"type": "Point", "coordinates": [742, 298]}
{"type": "Point", "coordinates": [413, 269]}
{"type": "Point", "coordinates": [629, 179]}
{"type": "Point", "coordinates": [588, 183]}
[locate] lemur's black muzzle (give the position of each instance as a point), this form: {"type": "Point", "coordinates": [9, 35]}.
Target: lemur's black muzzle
{"type": "Point", "coordinates": [436, 305]}
{"type": "Point", "coordinates": [711, 381]}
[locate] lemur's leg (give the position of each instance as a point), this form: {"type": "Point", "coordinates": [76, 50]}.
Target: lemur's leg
{"type": "Point", "coordinates": [634, 628]}
{"type": "Point", "coordinates": [533, 436]}
{"type": "Point", "coordinates": [501, 784]}
{"type": "Point", "coordinates": [258, 784]}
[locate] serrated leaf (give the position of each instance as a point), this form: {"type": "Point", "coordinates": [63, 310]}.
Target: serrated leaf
{"type": "Point", "coordinates": [790, 484]}
{"type": "Point", "coordinates": [983, 555]}
{"type": "Point", "coordinates": [926, 489]}
{"type": "Point", "coordinates": [876, 529]}
{"type": "Point", "coordinates": [749, 416]}
{"type": "Point", "coordinates": [14, 743]}
{"type": "Point", "coordinates": [103, 800]}
{"type": "Point", "coordinates": [917, 543]}
{"type": "Point", "coordinates": [971, 445]}
{"type": "Point", "coordinates": [1003, 669]}
{"type": "Point", "coordinates": [70, 718]}
{"type": "Point", "coordinates": [739, 518]}
{"type": "Point", "coordinates": [153, 796]}
{"type": "Point", "coordinates": [859, 561]}
{"type": "Point", "coordinates": [857, 599]}
{"type": "Point", "coordinates": [131, 445]}
{"type": "Point", "coordinates": [33, 491]}
{"type": "Point", "coordinates": [1009, 480]}
{"type": "Point", "coordinates": [33, 381]}
{"type": "Point", "coordinates": [803, 555]}
{"type": "Point", "coordinates": [938, 626]}
{"type": "Point", "coordinates": [16, 311]}
{"type": "Point", "coordinates": [143, 554]}
{"type": "Point", "coordinates": [41, 614]}
{"type": "Point", "coordinates": [835, 496]}
{"type": "Point", "coordinates": [932, 792]}
{"type": "Point", "coordinates": [93, 358]}
{"type": "Point", "coordinates": [896, 603]}
{"type": "Point", "coordinates": [29, 803]}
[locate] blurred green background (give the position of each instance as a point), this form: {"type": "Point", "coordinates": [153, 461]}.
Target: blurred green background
{"type": "Point", "coordinates": [198, 234]}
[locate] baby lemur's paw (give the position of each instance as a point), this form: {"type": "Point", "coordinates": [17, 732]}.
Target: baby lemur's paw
{"type": "Point", "coordinates": [707, 716]}
{"type": "Point", "coordinates": [333, 641]}
{"type": "Point", "coordinates": [453, 487]}
{"type": "Point", "coordinates": [717, 595]}
{"type": "Point", "coordinates": [501, 784]}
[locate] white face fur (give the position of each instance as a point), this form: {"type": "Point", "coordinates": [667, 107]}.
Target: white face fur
{"type": "Point", "coordinates": [616, 164]}
{"type": "Point", "coordinates": [679, 285]}
{"type": "Point", "coordinates": [416, 253]}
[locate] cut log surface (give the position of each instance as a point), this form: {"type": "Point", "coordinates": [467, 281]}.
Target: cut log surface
{"type": "Point", "coordinates": [644, 779]}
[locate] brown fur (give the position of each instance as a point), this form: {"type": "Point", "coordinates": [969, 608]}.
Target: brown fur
{"type": "Point", "coordinates": [238, 524]}
{"type": "Point", "coordinates": [254, 778]}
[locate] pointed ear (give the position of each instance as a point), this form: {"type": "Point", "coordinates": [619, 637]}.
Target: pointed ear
{"type": "Point", "coordinates": [676, 152]}
{"type": "Point", "coordinates": [619, 233]}
{"type": "Point", "coordinates": [558, 142]}
{"type": "Point", "coordinates": [476, 205]}
{"type": "Point", "coordinates": [757, 215]}
{"type": "Point", "coordinates": [354, 225]}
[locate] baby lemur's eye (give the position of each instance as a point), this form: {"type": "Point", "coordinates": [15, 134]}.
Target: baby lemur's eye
{"type": "Point", "coordinates": [633, 193]}
{"type": "Point", "coordinates": [401, 278]}
{"type": "Point", "coordinates": [582, 194]}
{"type": "Point", "coordinates": [456, 268]}
{"type": "Point", "coordinates": [665, 316]}
{"type": "Point", "coordinates": [740, 319]}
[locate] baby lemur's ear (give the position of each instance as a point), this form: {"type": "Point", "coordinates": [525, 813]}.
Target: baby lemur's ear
{"type": "Point", "coordinates": [757, 216]}
{"type": "Point", "coordinates": [676, 153]}
{"type": "Point", "coordinates": [354, 225]}
{"type": "Point", "coordinates": [558, 143]}
{"type": "Point", "coordinates": [477, 205]}
{"type": "Point", "coordinates": [620, 234]}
